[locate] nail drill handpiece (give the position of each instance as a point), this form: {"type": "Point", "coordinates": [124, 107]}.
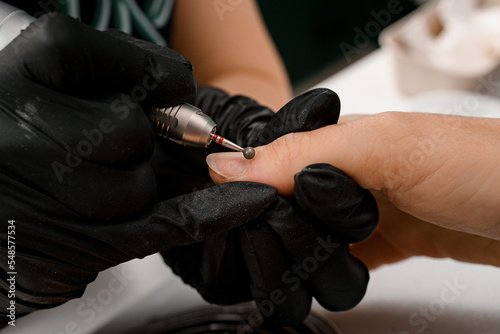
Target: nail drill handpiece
{"type": "Point", "coordinates": [187, 125]}
{"type": "Point", "coordinates": [184, 124]}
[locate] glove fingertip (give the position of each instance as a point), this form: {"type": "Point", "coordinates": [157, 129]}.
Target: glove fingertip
{"type": "Point", "coordinates": [327, 193]}
{"type": "Point", "coordinates": [279, 294]}
{"type": "Point", "coordinates": [327, 108]}
{"type": "Point", "coordinates": [309, 111]}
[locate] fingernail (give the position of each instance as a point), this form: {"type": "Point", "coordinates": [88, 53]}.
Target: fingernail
{"type": "Point", "coordinates": [229, 165]}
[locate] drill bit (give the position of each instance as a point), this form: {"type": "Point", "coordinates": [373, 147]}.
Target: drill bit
{"type": "Point", "coordinates": [248, 152]}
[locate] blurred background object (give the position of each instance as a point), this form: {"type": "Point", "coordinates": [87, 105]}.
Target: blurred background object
{"type": "Point", "coordinates": [317, 38]}
{"type": "Point", "coordinates": [447, 44]}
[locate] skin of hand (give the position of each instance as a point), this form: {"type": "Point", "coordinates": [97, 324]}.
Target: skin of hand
{"type": "Point", "coordinates": [230, 48]}
{"type": "Point", "coordinates": [435, 177]}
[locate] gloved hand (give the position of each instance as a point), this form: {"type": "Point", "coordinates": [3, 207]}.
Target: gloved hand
{"type": "Point", "coordinates": [75, 174]}
{"type": "Point", "coordinates": [298, 248]}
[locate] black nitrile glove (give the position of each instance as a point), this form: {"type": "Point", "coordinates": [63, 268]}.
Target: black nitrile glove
{"type": "Point", "coordinates": [77, 184]}
{"type": "Point", "coordinates": [298, 248]}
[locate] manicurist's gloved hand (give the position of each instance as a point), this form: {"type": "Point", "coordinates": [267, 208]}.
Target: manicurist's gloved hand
{"type": "Point", "coordinates": [299, 247]}
{"type": "Point", "coordinates": [78, 192]}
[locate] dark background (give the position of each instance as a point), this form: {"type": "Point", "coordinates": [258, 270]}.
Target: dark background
{"type": "Point", "coordinates": [309, 33]}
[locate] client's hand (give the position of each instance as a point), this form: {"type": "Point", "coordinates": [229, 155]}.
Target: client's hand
{"type": "Point", "coordinates": [436, 178]}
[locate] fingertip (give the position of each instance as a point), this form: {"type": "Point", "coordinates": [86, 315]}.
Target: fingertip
{"type": "Point", "coordinates": [274, 164]}
{"type": "Point", "coordinates": [233, 166]}
{"type": "Point", "coordinates": [227, 166]}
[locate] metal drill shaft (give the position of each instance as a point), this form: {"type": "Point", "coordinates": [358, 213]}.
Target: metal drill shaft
{"type": "Point", "coordinates": [226, 143]}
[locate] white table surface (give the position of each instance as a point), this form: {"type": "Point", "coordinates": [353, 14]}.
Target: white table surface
{"type": "Point", "coordinates": [413, 296]}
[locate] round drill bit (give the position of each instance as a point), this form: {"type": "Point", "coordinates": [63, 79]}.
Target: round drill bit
{"type": "Point", "coordinates": [248, 153]}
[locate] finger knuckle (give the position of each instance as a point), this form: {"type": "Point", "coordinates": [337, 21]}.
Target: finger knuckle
{"type": "Point", "coordinates": [287, 149]}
